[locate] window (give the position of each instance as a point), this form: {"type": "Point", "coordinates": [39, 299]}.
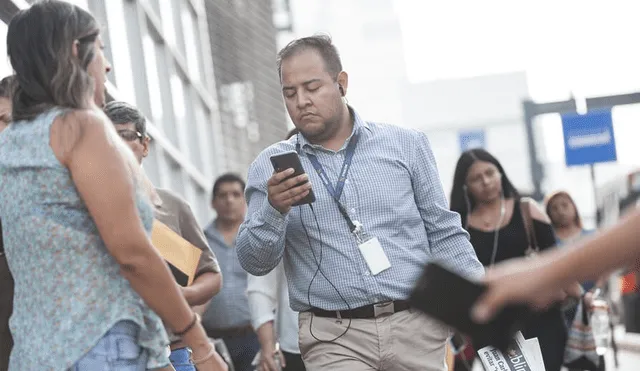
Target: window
{"type": "Point", "coordinates": [177, 25]}
{"type": "Point", "coordinates": [153, 82]}
{"type": "Point", "coordinates": [151, 165]}
{"type": "Point", "coordinates": [178, 97]}
{"type": "Point", "coordinates": [155, 5]}
{"type": "Point", "coordinates": [201, 207]}
{"type": "Point", "coordinates": [198, 135]}
{"type": "Point", "coordinates": [166, 14]}
{"type": "Point", "coordinates": [5, 65]}
{"type": "Point", "coordinates": [192, 42]}
{"type": "Point", "coordinates": [122, 68]}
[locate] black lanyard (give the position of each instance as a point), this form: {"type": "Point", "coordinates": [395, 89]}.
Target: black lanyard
{"type": "Point", "coordinates": [336, 192]}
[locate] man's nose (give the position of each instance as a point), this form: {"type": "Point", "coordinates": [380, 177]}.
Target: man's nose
{"type": "Point", "coordinates": [302, 100]}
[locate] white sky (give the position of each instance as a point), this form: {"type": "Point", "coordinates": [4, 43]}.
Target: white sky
{"type": "Point", "coordinates": [586, 47]}
{"type": "Point", "coordinates": [562, 44]}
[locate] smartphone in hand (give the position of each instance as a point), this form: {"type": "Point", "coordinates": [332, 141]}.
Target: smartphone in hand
{"type": "Point", "coordinates": [449, 298]}
{"type": "Point", "coordinates": [291, 160]}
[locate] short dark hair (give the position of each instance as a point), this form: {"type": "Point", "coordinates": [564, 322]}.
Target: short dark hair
{"type": "Point", "coordinates": [123, 113]}
{"type": "Point", "coordinates": [320, 43]}
{"type": "Point", "coordinates": [7, 85]}
{"type": "Point", "coordinates": [226, 178]}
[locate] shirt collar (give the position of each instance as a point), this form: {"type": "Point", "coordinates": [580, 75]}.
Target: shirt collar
{"type": "Point", "coordinates": [358, 124]}
{"type": "Point", "coordinates": [212, 232]}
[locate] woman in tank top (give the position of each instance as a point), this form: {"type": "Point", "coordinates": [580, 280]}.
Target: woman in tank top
{"type": "Point", "coordinates": [90, 289]}
{"type": "Point", "coordinates": [490, 208]}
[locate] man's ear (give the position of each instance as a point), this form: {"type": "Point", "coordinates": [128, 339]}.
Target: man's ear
{"type": "Point", "coordinates": [146, 144]}
{"type": "Point", "coordinates": [343, 82]}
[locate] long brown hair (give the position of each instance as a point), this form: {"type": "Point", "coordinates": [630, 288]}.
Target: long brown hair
{"type": "Point", "coordinates": [40, 43]}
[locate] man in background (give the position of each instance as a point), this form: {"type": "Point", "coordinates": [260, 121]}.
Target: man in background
{"type": "Point", "coordinates": [176, 214]}
{"type": "Point", "coordinates": [227, 316]}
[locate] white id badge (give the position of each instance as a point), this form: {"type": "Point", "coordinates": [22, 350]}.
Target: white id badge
{"type": "Point", "coordinates": [374, 255]}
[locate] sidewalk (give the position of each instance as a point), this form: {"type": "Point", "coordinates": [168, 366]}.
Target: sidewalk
{"type": "Point", "coordinates": [629, 342]}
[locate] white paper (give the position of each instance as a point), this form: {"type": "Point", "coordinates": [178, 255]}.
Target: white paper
{"type": "Point", "coordinates": [533, 346]}
{"type": "Point", "coordinates": [522, 355]}
{"type": "Point", "coordinates": [374, 255]}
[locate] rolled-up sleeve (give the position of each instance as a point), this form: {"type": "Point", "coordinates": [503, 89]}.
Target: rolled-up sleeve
{"type": "Point", "coordinates": [448, 241]}
{"type": "Point", "coordinates": [261, 238]}
{"type": "Point", "coordinates": [262, 295]}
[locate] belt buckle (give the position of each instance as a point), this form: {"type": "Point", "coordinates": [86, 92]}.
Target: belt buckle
{"type": "Point", "coordinates": [380, 309]}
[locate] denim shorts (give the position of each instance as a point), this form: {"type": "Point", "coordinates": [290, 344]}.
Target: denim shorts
{"type": "Point", "coordinates": [181, 360]}
{"type": "Point", "coordinates": [117, 350]}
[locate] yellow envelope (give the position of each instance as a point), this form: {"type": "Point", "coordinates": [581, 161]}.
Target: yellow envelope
{"type": "Point", "coordinates": [180, 254]}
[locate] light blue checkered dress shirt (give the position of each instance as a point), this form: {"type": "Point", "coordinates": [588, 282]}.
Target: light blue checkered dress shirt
{"type": "Point", "coordinates": [392, 188]}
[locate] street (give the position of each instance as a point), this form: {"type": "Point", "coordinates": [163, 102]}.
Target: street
{"type": "Point", "coordinates": [629, 361]}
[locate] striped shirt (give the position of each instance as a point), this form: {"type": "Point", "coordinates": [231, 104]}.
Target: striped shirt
{"type": "Point", "coordinates": [392, 188]}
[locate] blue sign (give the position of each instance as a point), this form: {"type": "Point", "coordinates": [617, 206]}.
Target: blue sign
{"type": "Point", "coordinates": [471, 139]}
{"type": "Point", "coordinates": [588, 139]}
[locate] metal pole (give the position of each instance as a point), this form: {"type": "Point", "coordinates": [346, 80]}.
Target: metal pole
{"type": "Point", "coordinates": [592, 170]}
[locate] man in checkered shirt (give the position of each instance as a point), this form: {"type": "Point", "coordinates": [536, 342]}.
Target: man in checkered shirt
{"type": "Point", "coordinates": [380, 181]}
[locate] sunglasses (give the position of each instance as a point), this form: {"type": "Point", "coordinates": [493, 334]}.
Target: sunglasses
{"type": "Point", "coordinates": [130, 135]}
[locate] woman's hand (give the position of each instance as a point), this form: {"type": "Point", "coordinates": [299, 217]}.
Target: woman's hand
{"type": "Point", "coordinates": [524, 281]}
{"type": "Point", "coordinates": [205, 358]}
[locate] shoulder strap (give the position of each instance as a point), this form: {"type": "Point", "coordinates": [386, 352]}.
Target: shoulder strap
{"type": "Point", "coordinates": [525, 210]}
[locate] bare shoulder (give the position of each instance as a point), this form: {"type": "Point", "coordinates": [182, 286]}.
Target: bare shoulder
{"type": "Point", "coordinates": [71, 128]}
{"type": "Point", "coordinates": [537, 213]}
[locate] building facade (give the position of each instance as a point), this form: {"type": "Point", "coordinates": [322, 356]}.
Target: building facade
{"type": "Point", "coordinates": [212, 102]}
{"type": "Point", "coordinates": [243, 47]}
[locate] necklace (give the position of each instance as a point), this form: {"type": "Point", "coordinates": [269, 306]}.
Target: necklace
{"type": "Point", "coordinates": [493, 221]}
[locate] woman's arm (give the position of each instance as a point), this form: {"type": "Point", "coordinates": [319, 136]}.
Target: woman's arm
{"type": "Point", "coordinates": [539, 281]}
{"type": "Point", "coordinates": [103, 178]}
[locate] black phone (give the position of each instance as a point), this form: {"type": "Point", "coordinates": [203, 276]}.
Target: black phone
{"type": "Point", "coordinates": [449, 298]}
{"type": "Point", "coordinates": [291, 160]}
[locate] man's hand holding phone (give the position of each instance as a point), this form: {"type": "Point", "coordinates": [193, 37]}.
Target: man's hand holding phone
{"type": "Point", "coordinates": [284, 193]}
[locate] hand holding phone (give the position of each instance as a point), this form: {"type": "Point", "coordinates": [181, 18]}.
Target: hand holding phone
{"type": "Point", "coordinates": [450, 298]}
{"type": "Point", "coordinates": [289, 185]}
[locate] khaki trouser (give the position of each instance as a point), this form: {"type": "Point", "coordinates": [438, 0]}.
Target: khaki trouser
{"type": "Point", "coordinates": [404, 341]}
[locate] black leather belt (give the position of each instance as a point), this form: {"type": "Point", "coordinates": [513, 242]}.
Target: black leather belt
{"type": "Point", "coordinates": [366, 312]}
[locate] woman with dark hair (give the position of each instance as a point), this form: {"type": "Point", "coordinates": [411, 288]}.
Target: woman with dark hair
{"type": "Point", "coordinates": [90, 289]}
{"type": "Point", "coordinates": [494, 214]}
{"type": "Point", "coordinates": [565, 219]}
{"type": "Point", "coordinates": [567, 225]}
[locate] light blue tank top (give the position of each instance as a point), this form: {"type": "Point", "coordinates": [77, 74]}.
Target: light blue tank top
{"type": "Point", "coordinates": [68, 288]}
